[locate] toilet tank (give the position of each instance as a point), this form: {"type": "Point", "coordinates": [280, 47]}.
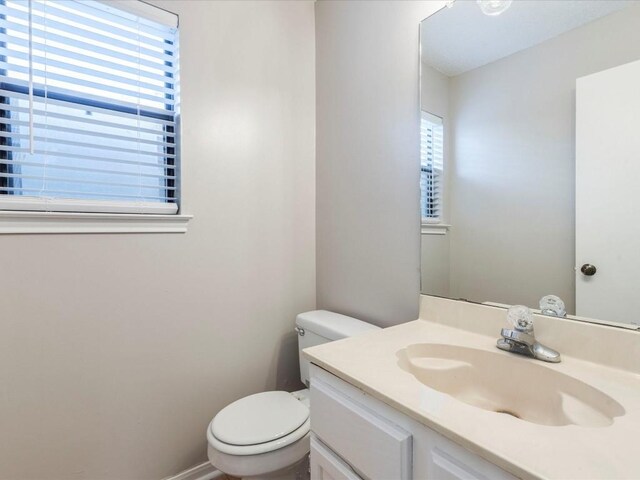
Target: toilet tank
{"type": "Point", "coordinates": [320, 326]}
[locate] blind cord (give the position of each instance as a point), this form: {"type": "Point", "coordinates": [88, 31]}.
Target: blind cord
{"type": "Point", "coordinates": [31, 122]}
{"type": "Point", "coordinates": [45, 18]}
{"type": "Point", "coordinates": [139, 41]}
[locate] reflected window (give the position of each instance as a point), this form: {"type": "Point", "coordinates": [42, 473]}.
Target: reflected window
{"type": "Point", "coordinates": [431, 167]}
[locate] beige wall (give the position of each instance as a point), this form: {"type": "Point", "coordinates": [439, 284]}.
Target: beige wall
{"type": "Point", "coordinates": [117, 350]}
{"type": "Point", "coordinates": [434, 264]}
{"type": "Point", "coordinates": [513, 218]}
{"type": "Point", "coordinates": [368, 219]}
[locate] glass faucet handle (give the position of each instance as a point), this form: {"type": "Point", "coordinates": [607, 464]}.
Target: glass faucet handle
{"type": "Point", "coordinates": [520, 318]}
{"type": "Point", "coordinates": [552, 305]}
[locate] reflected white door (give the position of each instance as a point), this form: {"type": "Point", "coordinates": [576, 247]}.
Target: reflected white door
{"type": "Point", "coordinates": [608, 194]}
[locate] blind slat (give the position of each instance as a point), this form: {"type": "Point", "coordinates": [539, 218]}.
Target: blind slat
{"type": "Point", "coordinates": [46, 62]}
{"type": "Point", "coordinates": [18, 48]}
{"type": "Point", "coordinates": [66, 154]}
{"type": "Point", "coordinates": [44, 103]}
{"type": "Point", "coordinates": [46, 25]}
{"type": "Point", "coordinates": [50, 140]}
{"type": "Point", "coordinates": [84, 182]}
{"type": "Point", "coordinates": [47, 77]}
{"type": "Point", "coordinates": [65, 43]}
{"type": "Point", "coordinates": [80, 16]}
{"type": "Point", "coordinates": [87, 169]}
{"type": "Point", "coordinates": [49, 127]}
{"type": "Point", "coordinates": [148, 22]}
{"type": "Point", "coordinates": [90, 99]}
{"type": "Point", "coordinates": [51, 192]}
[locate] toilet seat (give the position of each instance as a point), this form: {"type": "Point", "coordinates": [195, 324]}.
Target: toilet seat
{"type": "Point", "coordinates": [260, 423]}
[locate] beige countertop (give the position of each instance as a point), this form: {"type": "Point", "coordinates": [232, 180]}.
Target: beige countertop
{"type": "Point", "coordinates": [526, 450]}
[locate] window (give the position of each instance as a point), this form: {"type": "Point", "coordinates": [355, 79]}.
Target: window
{"type": "Point", "coordinates": [88, 107]}
{"type": "Point", "coordinates": [431, 167]}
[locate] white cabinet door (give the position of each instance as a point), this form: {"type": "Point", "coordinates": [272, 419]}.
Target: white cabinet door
{"type": "Point", "coordinates": [373, 445]}
{"type": "Point", "coordinates": [326, 465]}
{"type": "Point", "coordinates": [461, 466]}
{"type": "Point", "coordinates": [607, 207]}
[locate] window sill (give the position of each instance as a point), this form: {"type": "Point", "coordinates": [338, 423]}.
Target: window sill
{"type": "Point", "coordinates": [13, 222]}
{"type": "Point", "coordinates": [435, 228]}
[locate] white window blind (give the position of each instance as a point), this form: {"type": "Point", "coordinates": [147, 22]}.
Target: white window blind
{"type": "Point", "coordinates": [431, 167]}
{"type": "Point", "coordinates": [88, 106]}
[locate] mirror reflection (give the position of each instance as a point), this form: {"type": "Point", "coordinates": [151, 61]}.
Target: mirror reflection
{"type": "Point", "coordinates": [530, 155]}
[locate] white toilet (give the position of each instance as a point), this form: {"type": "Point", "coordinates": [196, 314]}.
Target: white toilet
{"type": "Point", "coordinates": [266, 435]}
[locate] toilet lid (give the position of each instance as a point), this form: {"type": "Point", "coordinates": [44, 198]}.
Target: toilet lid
{"type": "Point", "coordinates": [259, 418]}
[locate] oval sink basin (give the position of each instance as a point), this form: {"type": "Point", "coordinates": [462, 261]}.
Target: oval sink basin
{"type": "Point", "coordinates": [520, 387]}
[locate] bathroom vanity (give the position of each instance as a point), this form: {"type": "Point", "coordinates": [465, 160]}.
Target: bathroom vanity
{"type": "Point", "coordinates": [435, 399]}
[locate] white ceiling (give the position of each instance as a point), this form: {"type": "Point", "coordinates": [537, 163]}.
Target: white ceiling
{"type": "Point", "coordinates": [461, 38]}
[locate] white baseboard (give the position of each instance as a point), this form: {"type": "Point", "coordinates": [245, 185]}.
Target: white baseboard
{"type": "Point", "coordinates": [204, 471]}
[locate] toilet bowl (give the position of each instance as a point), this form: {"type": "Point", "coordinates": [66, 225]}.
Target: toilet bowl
{"type": "Point", "coordinates": [266, 435]}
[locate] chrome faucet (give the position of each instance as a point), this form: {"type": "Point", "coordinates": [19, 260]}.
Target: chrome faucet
{"type": "Point", "coordinates": [521, 339]}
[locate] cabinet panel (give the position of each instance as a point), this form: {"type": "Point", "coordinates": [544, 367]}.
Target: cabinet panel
{"type": "Point", "coordinates": [445, 467]}
{"type": "Point", "coordinates": [455, 463]}
{"type": "Point", "coordinates": [326, 465]}
{"type": "Point", "coordinates": [373, 446]}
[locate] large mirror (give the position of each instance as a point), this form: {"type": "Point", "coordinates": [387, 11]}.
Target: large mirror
{"type": "Point", "coordinates": [530, 155]}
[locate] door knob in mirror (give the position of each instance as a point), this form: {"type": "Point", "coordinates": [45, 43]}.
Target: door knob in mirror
{"type": "Point", "coordinates": [588, 270]}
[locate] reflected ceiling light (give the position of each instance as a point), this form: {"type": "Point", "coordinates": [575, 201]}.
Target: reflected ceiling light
{"type": "Point", "coordinates": [493, 7]}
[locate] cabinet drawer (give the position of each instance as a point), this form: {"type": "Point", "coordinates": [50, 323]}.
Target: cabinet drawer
{"type": "Point", "coordinates": [454, 463]}
{"type": "Point", "coordinates": [373, 446]}
{"type": "Point", "coordinates": [326, 465]}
